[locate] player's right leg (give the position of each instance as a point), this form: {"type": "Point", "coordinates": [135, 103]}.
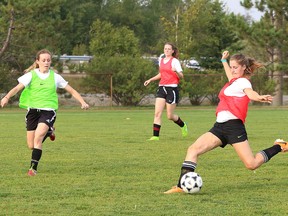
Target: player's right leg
{"type": "Point", "coordinates": [203, 144]}
{"type": "Point", "coordinates": [159, 107]}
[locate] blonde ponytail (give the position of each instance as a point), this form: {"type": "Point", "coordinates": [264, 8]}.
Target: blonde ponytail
{"type": "Point", "coordinates": [32, 67]}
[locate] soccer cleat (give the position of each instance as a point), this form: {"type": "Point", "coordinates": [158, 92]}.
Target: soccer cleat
{"type": "Point", "coordinates": [184, 130]}
{"type": "Point", "coordinates": [154, 138]}
{"type": "Point", "coordinates": [282, 143]}
{"type": "Point", "coordinates": [174, 189]}
{"type": "Point", "coordinates": [31, 172]}
{"type": "Point", "coordinates": [52, 135]}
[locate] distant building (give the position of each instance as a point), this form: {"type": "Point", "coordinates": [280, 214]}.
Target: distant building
{"type": "Point", "coordinates": [72, 60]}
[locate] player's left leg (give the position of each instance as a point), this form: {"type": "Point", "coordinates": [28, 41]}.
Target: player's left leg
{"type": "Point", "coordinates": [252, 161]}
{"type": "Point", "coordinates": [50, 134]}
{"type": "Point", "coordinates": [282, 143]}
{"type": "Point", "coordinates": [49, 118]}
{"type": "Point", "coordinates": [170, 108]}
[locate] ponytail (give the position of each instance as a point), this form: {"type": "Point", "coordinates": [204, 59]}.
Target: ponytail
{"type": "Point", "coordinates": [250, 63]}
{"type": "Point", "coordinates": [32, 67]}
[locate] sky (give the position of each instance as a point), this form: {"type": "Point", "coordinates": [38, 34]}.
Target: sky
{"type": "Point", "coordinates": [235, 7]}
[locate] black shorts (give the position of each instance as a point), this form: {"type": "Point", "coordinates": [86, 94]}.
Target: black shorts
{"type": "Point", "coordinates": [230, 132]}
{"type": "Point", "coordinates": [36, 116]}
{"type": "Point", "coordinates": [170, 94]}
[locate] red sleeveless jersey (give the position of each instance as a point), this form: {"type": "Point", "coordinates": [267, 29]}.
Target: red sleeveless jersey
{"type": "Point", "coordinates": [238, 106]}
{"type": "Point", "coordinates": [168, 76]}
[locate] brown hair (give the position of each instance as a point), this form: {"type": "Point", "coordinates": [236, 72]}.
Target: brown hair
{"type": "Point", "coordinates": [176, 51]}
{"type": "Point", "coordinates": [35, 65]}
{"type": "Point", "coordinates": [250, 63]}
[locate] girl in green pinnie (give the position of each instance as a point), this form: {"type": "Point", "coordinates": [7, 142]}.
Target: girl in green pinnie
{"type": "Point", "coordinates": [40, 99]}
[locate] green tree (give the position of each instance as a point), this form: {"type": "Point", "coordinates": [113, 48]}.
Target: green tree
{"type": "Point", "coordinates": [142, 17]}
{"type": "Point", "coordinates": [36, 29]}
{"type": "Point", "coordinates": [201, 30]}
{"type": "Point", "coordinates": [116, 54]}
{"type": "Point", "coordinates": [128, 75]}
{"type": "Point", "coordinates": [107, 40]}
{"type": "Point", "coordinates": [10, 29]}
{"type": "Point", "coordinates": [6, 34]}
{"type": "Point", "coordinates": [271, 33]}
{"type": "Point", "coordinates": [201, 85]}
{"type": "Point", "coordinates": [171, 21]}
{"type": "Point", "coordinates": [81, 15]}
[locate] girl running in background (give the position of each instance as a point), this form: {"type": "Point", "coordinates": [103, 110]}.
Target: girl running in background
{"type": "Point", "coordinates": [41, 100]}
{"type": "Point", "coordinates": [170, 72]}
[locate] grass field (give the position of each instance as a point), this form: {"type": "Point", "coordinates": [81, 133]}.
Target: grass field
{"type": "Point", "coordinates": [101, 164]}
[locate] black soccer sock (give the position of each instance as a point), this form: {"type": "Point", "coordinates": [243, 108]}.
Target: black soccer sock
{"type": "Point", "coordinates": [156, 130]}
{"type": "Point", "coordinates": [36, 155]}
{"type": "Point", "coordinates": [187, 166]}
{"type": "Point", "coordinates": [179, 122]}
{"type": "Point", "coordinates": [270, 152]}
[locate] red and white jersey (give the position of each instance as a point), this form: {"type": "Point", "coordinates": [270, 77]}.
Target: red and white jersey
{"type": "Point", "coordinates": [233, 100]}
{"type": "Point", "coordinates": [168, 76]}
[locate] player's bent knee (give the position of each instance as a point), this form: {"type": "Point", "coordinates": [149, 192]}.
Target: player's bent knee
{"type": "Point", "coordinates": [250, 166]}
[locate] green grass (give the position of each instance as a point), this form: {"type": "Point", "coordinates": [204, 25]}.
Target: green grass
{"type": "Point", "coordinates": [101, 164]}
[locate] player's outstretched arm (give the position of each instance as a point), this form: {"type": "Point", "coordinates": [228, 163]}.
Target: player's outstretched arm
{"type": "Point", "coordinates": [77, 96]}
{"type": "Point", "coordinates": [253, 95]}
{"type": "Point", "coordinates": [11, 93]}
{"type": "Point", "coordinates": [157, 77]}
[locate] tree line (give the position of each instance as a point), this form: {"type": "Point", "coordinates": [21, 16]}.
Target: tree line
{"type": "Point", "coordinates": [118, 33]}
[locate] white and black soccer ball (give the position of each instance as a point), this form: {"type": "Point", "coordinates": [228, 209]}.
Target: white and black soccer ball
{"type": "Point", "coordinates": [191, 182]}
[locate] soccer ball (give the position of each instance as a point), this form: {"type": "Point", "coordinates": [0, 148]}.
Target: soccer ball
{"type": "Point", "coordinates": [191, 182]}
